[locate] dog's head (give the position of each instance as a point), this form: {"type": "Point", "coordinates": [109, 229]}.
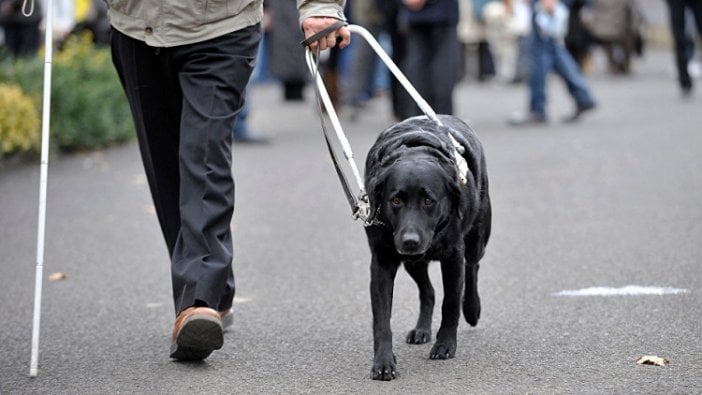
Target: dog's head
{"type": "Point", "coordinates": [415, 193]}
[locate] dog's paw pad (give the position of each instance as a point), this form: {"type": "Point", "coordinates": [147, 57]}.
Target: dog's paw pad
{"type": "Point", "coordinates": [418, 336]}
{"type": "Point", "coordinates": [442, 351]}
{"type": "Point", "coordinates": [384, 372]}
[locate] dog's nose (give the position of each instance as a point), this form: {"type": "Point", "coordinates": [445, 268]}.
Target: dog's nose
{"type": "Point", "coordinates": [410, 241]}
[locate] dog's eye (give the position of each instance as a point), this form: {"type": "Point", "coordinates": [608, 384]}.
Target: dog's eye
{"type": "Point", "coordinates": [428, 202]}
{"type": "Point", "coordinates": [396, 201]}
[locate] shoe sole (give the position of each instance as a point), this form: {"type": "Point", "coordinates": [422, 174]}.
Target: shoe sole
{"type": "Point", "coordinates": [197, 338]}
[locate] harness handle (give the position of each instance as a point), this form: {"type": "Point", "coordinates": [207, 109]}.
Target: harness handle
{"type": "Point", "coordinates": [317, 36]}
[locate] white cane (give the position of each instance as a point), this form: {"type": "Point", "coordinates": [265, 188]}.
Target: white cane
{"type": "Point", "coordinates": [46, 109]}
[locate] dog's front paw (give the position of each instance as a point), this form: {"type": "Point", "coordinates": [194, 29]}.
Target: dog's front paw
{"type": "Point", "coordinates": [418, 336]}
{"type": "Point", "coordinates": [443, 350]}
{"type": "Point", "coordinates": [384, 368]}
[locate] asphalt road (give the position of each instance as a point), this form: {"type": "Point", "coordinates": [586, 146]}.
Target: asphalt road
{"type": "Point", "coordinates": [614, 200]}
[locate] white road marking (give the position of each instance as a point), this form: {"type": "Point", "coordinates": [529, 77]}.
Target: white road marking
{"type": "Point", "coordinates": [629, 290]}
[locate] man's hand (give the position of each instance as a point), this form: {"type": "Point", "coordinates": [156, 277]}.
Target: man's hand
{"type": "Point", "coordinates": [414, 5]}
{"type": "Point", "coordinates": [313, 25]}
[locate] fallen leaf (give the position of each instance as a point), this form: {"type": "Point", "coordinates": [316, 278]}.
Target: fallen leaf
{"type": "Point", "coordinates": [652, 360]}
{"type": "Point", "coordinates": [58, 276]}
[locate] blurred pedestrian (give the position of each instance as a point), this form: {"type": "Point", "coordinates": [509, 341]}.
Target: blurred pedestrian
{"type": "Point", "coordinates": [486, 61]}
{"type": "Point", "coordinates": [358, 84]}
{"type": "Point", "coordinates": [22, 36]}
{"type": "Point", "coordinates": [578, 39]}
{"type": "Point", "coordinates": [64, 19]}
{"type": "Point", "coordinates": [390, 9]}
{"type": "Point", "coordinates": [242, 134]}
{"type": "Point", "coordinates": [677, 10]}
{"type": "Point", "coordinates": [521, 26]}
{"type": "Point", "coordinates": [184, 71]}
{"type": "Point", "coordinates": [92, 17]}
{"type": "Point", "coordinates": [507, 22]}
{"type": "Point", "coordinates": [548, 54]}
{"type": "Point", "coordinates": [431, 62]}
{"type": "Point", "coordinates": [615, 24]}
{"type": "Point", "coordinates": [286, 57]}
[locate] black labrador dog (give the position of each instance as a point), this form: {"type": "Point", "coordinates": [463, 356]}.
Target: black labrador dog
{"type": "Point", "coordinates": [426, 205]}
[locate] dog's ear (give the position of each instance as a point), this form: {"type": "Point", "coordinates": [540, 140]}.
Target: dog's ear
{"type": "Point", "coordinates": [375, 196]}
{"type": "Point", "coordinates": [374, 188]}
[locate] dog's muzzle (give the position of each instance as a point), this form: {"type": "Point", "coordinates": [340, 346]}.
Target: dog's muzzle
{"type": "Point", "coordinates": [410, 243]}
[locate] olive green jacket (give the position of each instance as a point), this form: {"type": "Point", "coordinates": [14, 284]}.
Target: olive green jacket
{"type": "Point", "coordinates": [167, 23]}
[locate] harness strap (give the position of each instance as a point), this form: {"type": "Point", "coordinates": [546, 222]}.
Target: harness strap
{"type": "Point", "coordinates": [360, 207]}
{"type": "Point", "coordinates": [461, 163]}
{"type": "Point", "coordinates": [340, 173]}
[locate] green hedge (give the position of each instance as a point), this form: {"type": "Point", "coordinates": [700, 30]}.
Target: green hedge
{"type": "Point", "coordinates": [88, 107]}
{"type": "Point", "coordinates": [19, 121]}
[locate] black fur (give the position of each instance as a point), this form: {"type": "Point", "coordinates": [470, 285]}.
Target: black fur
{"type": "Point", "coordinates": [422, 213]}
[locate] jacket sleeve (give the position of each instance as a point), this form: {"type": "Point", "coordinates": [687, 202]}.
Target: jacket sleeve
{"type": "Point", "coordinates": [328, 8]}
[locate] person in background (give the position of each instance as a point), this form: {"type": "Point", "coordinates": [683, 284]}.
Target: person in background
{"type": "Point", "coordinates": [548, 54]}
{"type": "Point", "coordinates": [91, 16]}
{"type": "Point", "coordinates": [184, 71]}
{"type": "Point", "coordinates": [431, 60]}
{"type": "Point", "coordinates": [242, 134]}
{"type": "Point", "coordinates": [614, 25]}
{"type": "Point", "coordinates": [578, 39]}
{"type": "Point", "coordinates": [677, 10]}
{"type": "Point", "coordinates": [521, 26]}
{"type": "Point", "coordinates": [286, 57]}
{"type": "Point", "coordinates": [21, 32]}
{"type": "Point", "coordinates": [64, 19]}
{"type": "Point", "coordinates": [486, 61]}
{"type": "Point", "coordinates": [507, 23]}
{"type": "Point", "coordinates": [390, 9]}
{"type": "Point", "coordinates": [358, 85]}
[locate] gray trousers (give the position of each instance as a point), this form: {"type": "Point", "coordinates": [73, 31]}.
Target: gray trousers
{"type": "Point", "coordinates": [184, 101]}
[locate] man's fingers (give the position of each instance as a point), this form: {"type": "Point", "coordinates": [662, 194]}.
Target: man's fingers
{"type": "Point", "coordinates": [331, 40]}
{"type": "Point", "coordinates": [314, 26]}
{"type": "Point", "coordinates": [345, 35]}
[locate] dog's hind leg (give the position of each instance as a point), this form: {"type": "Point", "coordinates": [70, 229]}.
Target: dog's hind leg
{"type": "Point", "coordinates": [471, 299]}
{"type": "Point", "coordinates": [475, 243]}
{"type": "Point", "coordinates": [422, 332]}
{"type": "Point", "coordinates": [452, 274]}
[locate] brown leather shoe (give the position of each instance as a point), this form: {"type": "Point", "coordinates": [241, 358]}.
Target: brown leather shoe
{"type": "Point", "coordinates": [196, 333]}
